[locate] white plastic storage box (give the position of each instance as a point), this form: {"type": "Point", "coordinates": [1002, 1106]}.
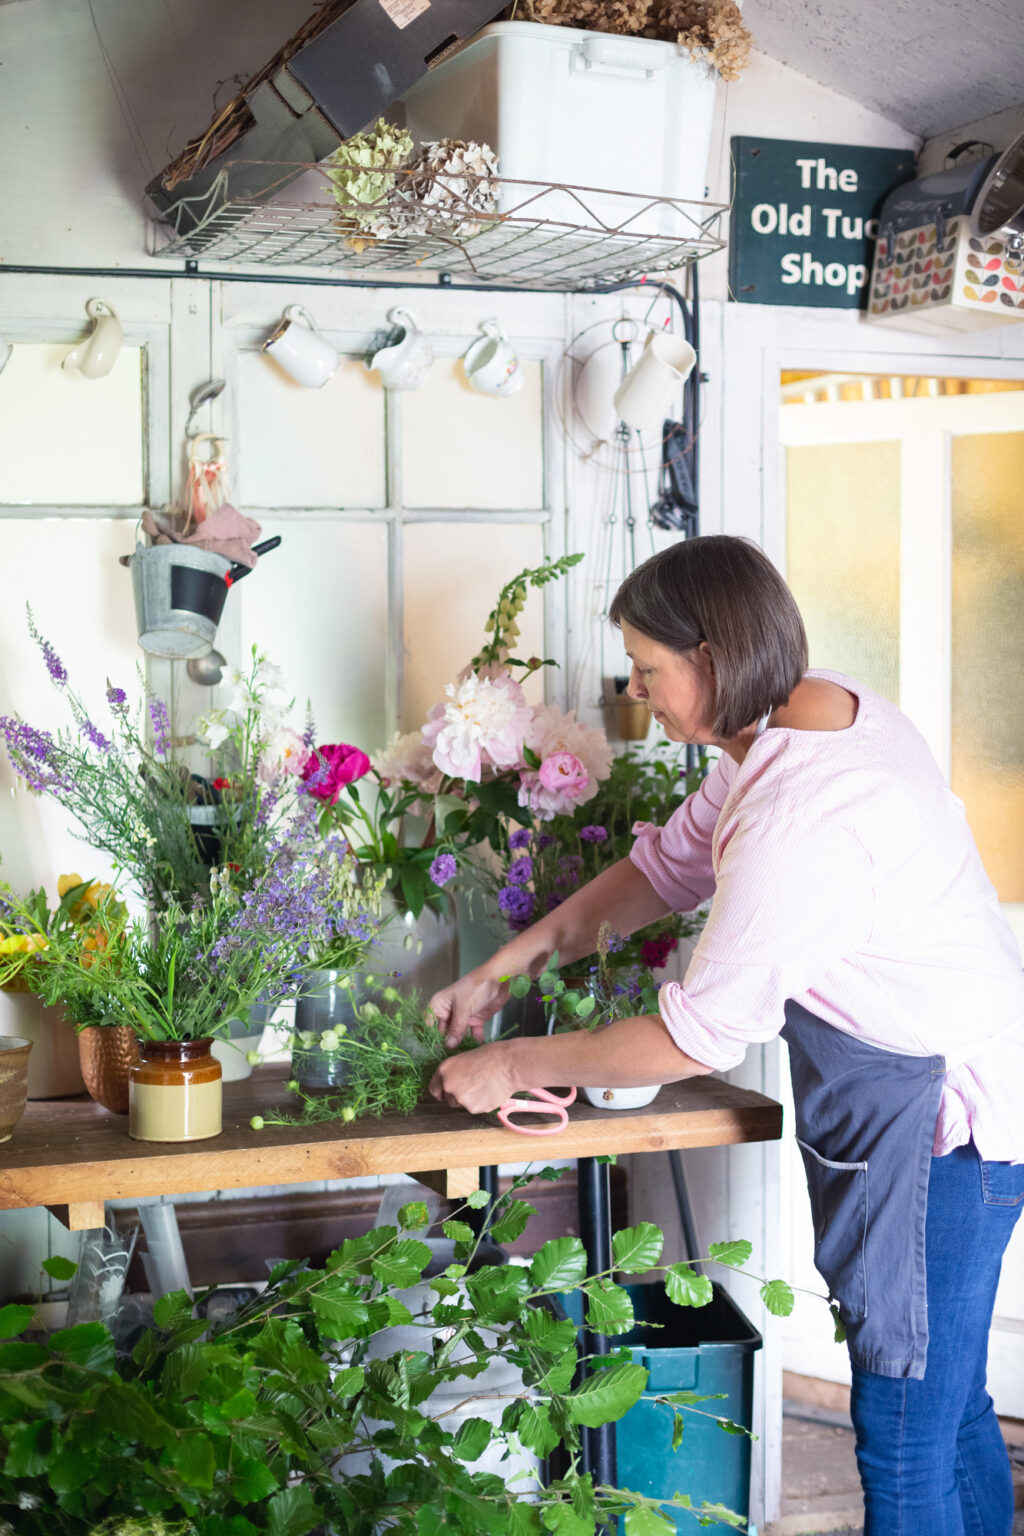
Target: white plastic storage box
{"type": "Point", "coordinates": [580, 108]}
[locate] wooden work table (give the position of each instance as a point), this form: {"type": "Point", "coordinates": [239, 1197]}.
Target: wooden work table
{"type": "Point", "coordinates": [71, 1155]}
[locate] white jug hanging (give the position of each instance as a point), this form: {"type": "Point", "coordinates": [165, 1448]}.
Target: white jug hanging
{"type": "Point", "coordinates": [644, 396]}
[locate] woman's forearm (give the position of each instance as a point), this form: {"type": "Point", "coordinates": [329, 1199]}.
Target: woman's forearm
{"type": "Point", "coordinates": [628, 1053]}
{"type": "Point", "coordinates": [621, 895]}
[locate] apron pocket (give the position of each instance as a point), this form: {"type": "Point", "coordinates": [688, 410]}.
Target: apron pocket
{"type": "Point", "coordinates": [839, 1206]}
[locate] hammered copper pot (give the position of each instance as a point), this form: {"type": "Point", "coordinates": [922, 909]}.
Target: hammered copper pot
{"type": "Point", "coordinates": [107, 1052]}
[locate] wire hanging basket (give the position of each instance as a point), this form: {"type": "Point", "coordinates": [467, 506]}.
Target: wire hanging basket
{"type": "Point", "coordinates": [533, 235]}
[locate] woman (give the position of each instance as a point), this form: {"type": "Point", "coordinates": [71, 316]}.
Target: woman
{"type": "Point", "coordinates": [851, 914]}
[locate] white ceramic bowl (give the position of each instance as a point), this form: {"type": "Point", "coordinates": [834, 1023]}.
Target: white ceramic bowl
{"type": "Point", "coordinates": [621, 1098]}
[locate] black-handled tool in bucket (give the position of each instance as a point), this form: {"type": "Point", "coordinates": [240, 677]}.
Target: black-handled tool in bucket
{"type": "Point", "coordinates": [237, 571]}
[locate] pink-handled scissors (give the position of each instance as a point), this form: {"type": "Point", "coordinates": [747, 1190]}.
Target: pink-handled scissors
{"type": "Point", "coordinates": [539, 1101]}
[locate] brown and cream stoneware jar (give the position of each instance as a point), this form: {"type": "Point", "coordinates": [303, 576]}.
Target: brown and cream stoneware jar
{"type": "Point", "coordinates": [174, 1092]}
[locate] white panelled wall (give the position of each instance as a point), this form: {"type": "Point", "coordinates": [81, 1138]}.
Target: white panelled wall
{"type": "Point", "coordinates": [399, 516]}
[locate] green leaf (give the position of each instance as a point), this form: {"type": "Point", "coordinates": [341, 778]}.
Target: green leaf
{"type": "Point", "coordinates": [560, 1264]}
{"type": "Point", "coordinates": [251, 1480]}
{"type": "Point", "coordinates": [26, 1456]}
{"type": "Point", "coordinates": [14, 1319]}
{"type": "Point", "coordinates": [642, 1520]}
{"type": "Point", "coordinates": [477, 1199]}
{"type": "Point", "coordinates": [292, 1512]}
{"type": "Point", "coordinates": [585, 1007]}
{"type": "Point", "coordinates": [88, 1344]}
{"type": "Point", "coordinates": [536, 1431]}
{"type": "Point", "coordinates": [520, 986]}
{"type": "Point", "coordinates": [347, 1382]}
{"type": "Point", "coordinates": [338, 1316]}
{"type": "Point", "coordinates": [239, 1405]}
{"type": "Point", "coordinates": [192, 1458]}
{"type": "Point", "coordinates": [606, 1396]}
{"type": "Point", "coordinates": [59, 1268]}
{"type": "Point", "coordinates": [678, 1425]}
{"type": "Point", "coordinates": [512, 1222]}
{"type": "Point", "coordinates": [71, 1469]}
{"type": "Point", "coordinates": [448, 808]}
{"type": "Point", "coordinates": [473, 1438]}
{"type": "Point", "coordinates": [735, 1253]}
{"type": "Point", "coordinates": [548, 981]}
{"type": "Point", "coordinates": [414, 1215]}
{"type": "Point", "coordinates": [730, 1427]}
{"type": "Point", "coordinates": [553, 1335]}
{"type": "Point", "coordinates": [563, 1521]}
{"type": "Point", "coordinates": [778, 1297]}
{"type": "Point", "coordinates": [173, 1309]}
{"type": "Point", "coordinates": [458, 1231]}
{"type": "Point", "coordinates": [609, 1308]}
{"type": "Point", "coordinates": [530, 758]}
{"type": "Point", "coordinates": [637, 1248]}
{"type": "Point", "coordinates": [686, 1288]}
{"type": "Point", "coordinates": [840, 1334]}
{"type": "Point", "coordinates": [402, 1264]}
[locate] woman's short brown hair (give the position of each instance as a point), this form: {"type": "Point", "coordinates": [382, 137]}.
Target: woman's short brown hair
{"type": "Point", "coordinates": [726, 591]}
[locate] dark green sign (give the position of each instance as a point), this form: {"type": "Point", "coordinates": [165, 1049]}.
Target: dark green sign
{"type": "Point", "coordinates": [805, 218]}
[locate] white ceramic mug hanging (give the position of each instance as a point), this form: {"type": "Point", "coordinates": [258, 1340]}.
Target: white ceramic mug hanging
{"type": "Point", "coordinates": [94, 357]}
{"type": "Point", "coordinates": [406, 356]}
{"type": "Point", "coordinates": [491, 363]}
{"type": "Point", "coordinates": [645, 394]}
{"type": "Point", "coordinates": [297, 345]}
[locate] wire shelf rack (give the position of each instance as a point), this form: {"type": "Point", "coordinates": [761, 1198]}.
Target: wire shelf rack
{"type": "Point", "coordinates": [531, 235]}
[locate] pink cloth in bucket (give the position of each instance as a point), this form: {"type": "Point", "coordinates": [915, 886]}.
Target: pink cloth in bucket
{"type": "Point", "coordinates": [226, 531]}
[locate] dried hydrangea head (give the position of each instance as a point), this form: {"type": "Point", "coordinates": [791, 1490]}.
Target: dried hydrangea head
{"type": "Point", "coordinates": [711, 30]}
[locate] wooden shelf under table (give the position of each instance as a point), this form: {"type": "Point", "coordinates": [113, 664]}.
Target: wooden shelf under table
{"type": "Point", "coordinates": [71, 1155]}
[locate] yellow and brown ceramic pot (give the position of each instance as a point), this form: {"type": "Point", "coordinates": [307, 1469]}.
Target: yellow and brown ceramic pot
{"type": "Point", "coordinates": [106, 1053]}
{"type": "Point", "coordinates": [14, 1059]}
{"type": "Point", "coordinates": [174, 1092]}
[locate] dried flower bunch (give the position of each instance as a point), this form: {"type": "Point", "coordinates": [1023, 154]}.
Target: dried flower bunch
{"type": "Point", "coordinates": [710, 30]}
{"type": "Point", "coordinates": [386, 188]}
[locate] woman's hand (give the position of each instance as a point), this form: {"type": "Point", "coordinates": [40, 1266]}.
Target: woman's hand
{"type": "Point", "coordinates": [477, 1081]}
{"type": "Point", "coordinates": [467, 1004]}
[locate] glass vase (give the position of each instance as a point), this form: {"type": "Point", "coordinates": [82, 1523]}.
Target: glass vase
{"type": "Point", "coordinates": [325, 1000]}
{"type": "Point", "coordinates": [174, 1092]}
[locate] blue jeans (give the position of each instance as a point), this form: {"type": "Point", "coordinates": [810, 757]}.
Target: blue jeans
{"type": "Point", "coordinates": [931, 1457]}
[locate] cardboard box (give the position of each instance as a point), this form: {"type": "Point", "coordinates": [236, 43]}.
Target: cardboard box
{"type": "Point", "coordinates": [333, 78]}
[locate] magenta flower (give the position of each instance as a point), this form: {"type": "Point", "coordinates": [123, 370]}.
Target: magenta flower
{"type": "Point", "coordinates": [654, 952]}
{"type": "Point", "coordinates": [328, 769]}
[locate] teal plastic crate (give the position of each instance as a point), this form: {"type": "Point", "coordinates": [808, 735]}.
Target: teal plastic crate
{"type": "Point", "coordinates": [696, 1349]}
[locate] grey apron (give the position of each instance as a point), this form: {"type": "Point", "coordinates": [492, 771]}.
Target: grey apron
{"type": "Point", "coordinates": [865, 1123]}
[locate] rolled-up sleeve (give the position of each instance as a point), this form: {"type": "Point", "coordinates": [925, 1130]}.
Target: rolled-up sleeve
{"type": "Point", "coordinates": [676, 858]}
{"type": "Point", "coordinates": [793, 902]}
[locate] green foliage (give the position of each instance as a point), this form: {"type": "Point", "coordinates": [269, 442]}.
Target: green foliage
{"type": "Point", "coordinates": [386, 1057]}
{"type": "Point", "coordinates": [778, 1297]}
{"type": "Point", "coordinates": [280, 1420]}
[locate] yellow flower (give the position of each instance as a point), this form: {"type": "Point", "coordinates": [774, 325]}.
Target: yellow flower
{"type": "Point", "coordinates": [67, 883]}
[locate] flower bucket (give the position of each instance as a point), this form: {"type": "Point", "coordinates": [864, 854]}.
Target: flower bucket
{"type": "Point", "coordinates": [179, 598]}
{"type": "Point", "coordinates": [174, 1092]}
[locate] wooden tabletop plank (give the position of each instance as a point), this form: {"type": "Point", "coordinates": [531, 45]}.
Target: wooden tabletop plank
{"type": "Point", "coordinates": [70, 1151]}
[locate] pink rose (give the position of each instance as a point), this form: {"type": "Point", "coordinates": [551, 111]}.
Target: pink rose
{"type": "Point", "coordinates": [563, 773]}
{"type": "Point", "coordinates": [329, 769]}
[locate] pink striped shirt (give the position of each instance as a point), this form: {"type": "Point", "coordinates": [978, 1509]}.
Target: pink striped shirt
{"type": "Point", "coordinates": [844, 876]}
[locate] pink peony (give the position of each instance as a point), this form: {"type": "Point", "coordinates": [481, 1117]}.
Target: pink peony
{"type": "Point", "coordinates": [574, 758]}
{"type": "Point", "coordinates": [564, 773]}
{"type": "Point", "coordinates": [329, 769]}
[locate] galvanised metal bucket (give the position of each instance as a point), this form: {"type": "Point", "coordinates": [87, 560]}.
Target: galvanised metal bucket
{"type": "Point", "coordinates": [179, 598]}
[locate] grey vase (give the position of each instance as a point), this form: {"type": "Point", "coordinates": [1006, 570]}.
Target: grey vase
{"type": "Point", "coordinates": [321, 1004]}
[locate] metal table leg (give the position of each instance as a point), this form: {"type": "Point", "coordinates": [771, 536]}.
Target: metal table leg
{"type": "Point", "coordinates": [598, 1445]}
{"type": "Point", "coordinates": [480, 1220]}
